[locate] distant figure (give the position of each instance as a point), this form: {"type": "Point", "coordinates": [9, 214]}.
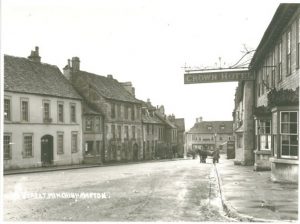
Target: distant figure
{"type": "Point", "coordinates": [216, 156]}
{"type": "Point", "coordinates": [203, 156]}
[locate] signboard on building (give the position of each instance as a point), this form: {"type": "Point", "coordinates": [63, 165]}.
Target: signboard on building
{"type": "Point", "coordinates": [217, 76]}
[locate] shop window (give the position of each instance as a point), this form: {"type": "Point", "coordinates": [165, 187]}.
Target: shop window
{"type": "Point", "coordinates": [289, 134]}
{"type": "Point", "coordinates": [264, 134]}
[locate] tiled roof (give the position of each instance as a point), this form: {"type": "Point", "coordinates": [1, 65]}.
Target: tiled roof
{"type": "Point", "coordinates": [179, 122]}
{"type": "Point", "coordinates": [26, 76]}
{"type": "Point", "coordinates": [107, 87]}
{"type": "Point", "coordinates": [216, 127]}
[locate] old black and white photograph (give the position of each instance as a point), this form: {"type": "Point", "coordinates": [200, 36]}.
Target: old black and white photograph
{"type": "Point", "coordinates": [149, 111]}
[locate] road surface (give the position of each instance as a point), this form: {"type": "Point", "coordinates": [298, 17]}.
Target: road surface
{"type": "Point", "coordinates": [181, 190]}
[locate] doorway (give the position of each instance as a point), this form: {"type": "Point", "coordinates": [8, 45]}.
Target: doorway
{"type": "Point", "coordinates": [47, 150]}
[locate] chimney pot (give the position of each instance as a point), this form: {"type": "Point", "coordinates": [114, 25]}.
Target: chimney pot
{"type": "Point", "coordinates": [34, 56]}
{"type": "Point", "coordinates": [110, 76]}
{"type": "Point", "coordinates": [75, 64]}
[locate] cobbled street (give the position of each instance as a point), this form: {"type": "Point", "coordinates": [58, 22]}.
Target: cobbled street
{"type": "Point", "coordinates": [182, 190]}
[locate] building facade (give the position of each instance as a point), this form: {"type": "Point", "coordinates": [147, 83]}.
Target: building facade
{"type": "Point", "coordinates": [180, 124]}
{"type": "Point", "coordinates": [268, 107]}
{"type": "Point", "coordinates": [208, 135]}
{"type": "Point", "coordinates": [276, 67]}
{"type": "Point", "coordinates": [151, 128]}
{"type": "Point", "coordinates": [93, 135]}
{"type": "Point", "coordinates": [120, 109]}
{"type": "Point", "coordinates": [42, 115]}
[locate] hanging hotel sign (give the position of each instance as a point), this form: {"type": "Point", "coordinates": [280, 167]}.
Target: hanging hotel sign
{"type": "Point", "coordinates": [217, 76]}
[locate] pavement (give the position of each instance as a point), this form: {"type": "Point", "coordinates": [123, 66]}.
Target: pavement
{"type": "Point", "coordinates": [249, 195]}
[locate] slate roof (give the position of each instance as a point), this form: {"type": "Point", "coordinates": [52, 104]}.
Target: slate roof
{"type": "Point", "coordinates": [165, 120]}
{"type": "Point", "coordinates": [202, 127]}
{"type": "Point", "coordinates": [107, 87]}
{"type": "Point", "coordinates": [179, 122]}
{"type": "Point", "coordinates": [25, 76]}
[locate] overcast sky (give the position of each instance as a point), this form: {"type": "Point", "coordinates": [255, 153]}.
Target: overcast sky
{"type": "Point", "coordinates": [146, 42]}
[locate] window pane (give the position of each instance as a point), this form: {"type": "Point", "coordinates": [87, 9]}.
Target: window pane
{"type": "Point", "coordinates": [46, 111]}
{"type": "Point", "coordinates": [24, 110]}
{"type": "Point", "coordinates": [28, 145]}
{"type": "Point", "coordinates": [285, 139]}
{"type": "Point", "coordinates": [60, 112]}
{"type": "Point", "coordinates": [284, 117]}
{"type": "Point", "coordinates": [7, 146]}
{"type": "Point", "coordinates": [285, 150]}
{"type": "Point", "coordinates": [294, 150]}
{"type": "Point", "coordinates": [60, 143]}
{"type": "Point", "coordinates": [285, 128]}
{"type": "Point", "coordinates": [293, 117]}
{"type": "Point", "coordinates": [74, 143]}
{"type": "Point", "coordinates": [293, 128]}
{"type": "Point", "coordinates": [7, 109]}
{"type": "Point", "coordinates": [294, 139]}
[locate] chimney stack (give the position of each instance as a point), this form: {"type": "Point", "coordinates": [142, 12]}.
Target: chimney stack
{"type": "Point", "coordinates": [128, 86]}
{"type": "Point", "coordinates": [34, 56]}
{"type": "Point", "coordinates": [75, 64]}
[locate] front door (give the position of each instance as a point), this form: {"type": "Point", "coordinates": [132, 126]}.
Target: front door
{"type": "Point", "coordinates": [135, 152]}
{"type": "Point", "coordinates": [47, 150]}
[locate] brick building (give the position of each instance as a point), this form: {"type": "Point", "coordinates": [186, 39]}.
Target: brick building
{"type": "Point", "coordinates": [119, 107]}
{"type": "Point", "coordinates": [42, 115]}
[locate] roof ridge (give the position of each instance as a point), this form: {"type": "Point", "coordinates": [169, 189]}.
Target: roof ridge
{"type": "Point", "coordinates": [42, 63]}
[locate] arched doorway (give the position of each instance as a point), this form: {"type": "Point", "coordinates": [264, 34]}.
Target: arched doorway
{"type": "Point", "coordinates": [135, 152]}
{"type": "Point", "coordinates": [47, 150]}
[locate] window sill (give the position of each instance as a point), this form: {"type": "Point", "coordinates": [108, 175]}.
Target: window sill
{"type": "Point", "coordinates": [27, 157]}
{"type": "Point", "coordinates": [263, 152]}
{"type": "Point", "coordinates": [285, 161]}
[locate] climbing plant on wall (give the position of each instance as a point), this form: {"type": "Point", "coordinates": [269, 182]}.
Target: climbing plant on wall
{"type": "Point", "coordinates": [283, 97]}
